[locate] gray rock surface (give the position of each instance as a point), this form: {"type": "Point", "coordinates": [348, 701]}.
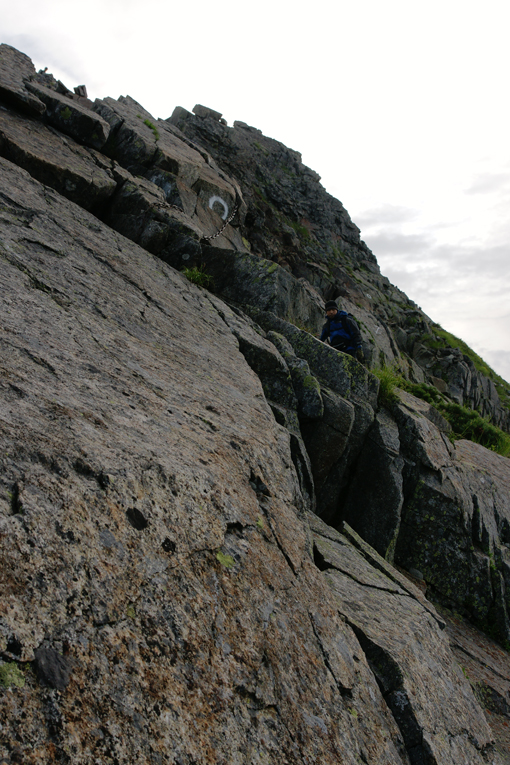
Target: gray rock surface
{"type": "Point", "coordinates": [166, 595]}
{"type": "Point", "coordinates": [71, 118]}
{"type": "Point", "coordinates": [440, 509]}
{"type": "Point", "coordinates": [402, 642]}
{"type": "Point", "coordinates": [76, 172]}
{"type": "Point", "coordinates": [487, 667]}
{"type": "Point", "coordinates": [376, 490]}
{"type": "Point", "coordinates": [455, 529]}
{"type": "Point", "coordinates": [15, 68]}
{"type": "Point", "coordinates": [159, 593]}
{"type": "Point", "coordinates": [188, 176]}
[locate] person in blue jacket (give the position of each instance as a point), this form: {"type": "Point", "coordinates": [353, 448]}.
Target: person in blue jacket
{"type": "Point", "coordinates": [342, 331]}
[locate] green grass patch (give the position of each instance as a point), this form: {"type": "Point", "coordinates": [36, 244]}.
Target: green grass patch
{"type": "Point", "coordinates": [300, 230]}
{"type": "Point", "coordinates": [466, 423]}
{"type": "Point", "coordinates": [261, 148]}
{"type": "Point", "coordinates": [153, 128]}
{"type": "Point", "coordinates": [197, 275]}
{"type": "Point", "coordinates": [11, 676]}
{"type": "Point", "coordinates": [389, 379]}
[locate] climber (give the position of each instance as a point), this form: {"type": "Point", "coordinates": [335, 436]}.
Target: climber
{"type": "Point", "coordinates": [342, 331]}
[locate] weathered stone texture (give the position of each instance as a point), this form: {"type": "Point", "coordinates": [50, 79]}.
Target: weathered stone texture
{"type": "Point", "coordinates": [155, 570]}
{"type": "Point", "coordinates": [455, 529]}
{"type": "Point", "coordinates": [71, 118]}
{"type": "Point", "coordinates": [430, 699]}
{"type": "Point", "coordinates": [80, 174]}
{"type": "Point", "coordinates": [15, 68]}
{"type": "Point", "coordinates": [167, 594]}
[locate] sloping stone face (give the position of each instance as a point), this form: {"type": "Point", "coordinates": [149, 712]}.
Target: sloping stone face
{"type": "Point", "coordinates": [70, 117]}
{"type": "Point", "coordinates": [78, 173]}
{"type": "Point", "coordinates": [395, 658]}
{"type": "Point", "coordinates": [455, 529]}
{"type": "Point", "coordinates": [15, 69]}
{"type": "Point", "coordinates": [439, 509]}
{"type": "Point", "coordinates": [157, 571]}
{"type": "Point", "coordinates": [166, 594]}
{"type": "Point", "coordinates": [239, 191]}
{"type": "Point", "coordinates": [376, 496]}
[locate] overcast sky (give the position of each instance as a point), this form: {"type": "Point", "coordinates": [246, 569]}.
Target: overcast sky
{"type": "Point", "coordinates": [401, 106]}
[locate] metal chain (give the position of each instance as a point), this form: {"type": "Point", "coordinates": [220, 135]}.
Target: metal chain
{"type": "Point", "coordinates": [203, 238]}
{"type": "Point", "coordinates": [231, 217]}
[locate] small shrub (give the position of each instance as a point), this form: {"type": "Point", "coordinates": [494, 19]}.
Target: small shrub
{"type": "Point", "coordinates": [198, 276]}
{"type": "Point", "coordinates": [422, 390]}
{"type": "Point", "coordinates": [300, 230]}
{"type": "Point", "coordinates": [467, 423]}
{"type": "Point", "coordinates": [153, 128]}
{"type": "Point", "coordinates": [389, 379]}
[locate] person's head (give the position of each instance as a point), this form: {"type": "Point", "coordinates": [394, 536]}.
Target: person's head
{"type": "Point", "coordinates": [331, 309]}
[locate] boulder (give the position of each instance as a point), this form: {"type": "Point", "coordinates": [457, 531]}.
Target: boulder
{"type": "Point", "coordinates": [404, 641]}
{"type": "Point", "coordinates": [80, 174]}
{"type": "Point", "coordinates": [455, 529]}
{"type": "Point", "coordinates": [188, 176]}
{"type": "Point", "coordinates": [327, 440]}
{"type": "Point", "coordinates": [306, 386]}
{"type": "Point", "coordinates": [204, 111]}
{"type": "Point", "coordinates": [332, 492]}
{"type": "Point", "coordinates": [139, 211]}
{"type": "Point", "coordinates": [68, 116]}
{"type": "Point", "coordinates": [15, 69]}
{"type": "Point", "coordinates": [422, 431]}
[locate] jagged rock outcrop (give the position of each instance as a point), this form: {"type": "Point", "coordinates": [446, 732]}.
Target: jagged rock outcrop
{"type": "Point", "coordinates": [169, 593]}
{"type": "Point", "coordinates": [175, 186]}
{"type": "Point", "coordinates": [292, 220]}
{"type": "Point", "coordinates": [437, 508]}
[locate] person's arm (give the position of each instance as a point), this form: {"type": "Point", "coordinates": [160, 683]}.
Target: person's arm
{"type": "Point", "coordinates": [325, 332]}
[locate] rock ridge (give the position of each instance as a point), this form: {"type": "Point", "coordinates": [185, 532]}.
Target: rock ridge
{"type": "Point", "coordinates": [202, 507]}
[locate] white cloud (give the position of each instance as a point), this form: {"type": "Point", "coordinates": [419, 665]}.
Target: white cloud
{"type": "Point", "coordinates": [489, 183]}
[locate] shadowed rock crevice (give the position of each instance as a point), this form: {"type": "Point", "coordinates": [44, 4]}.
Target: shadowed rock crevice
{"type": "Point", "coordinates": [345, 692]}
{"type": "Point", "coordinates": [390, 680]}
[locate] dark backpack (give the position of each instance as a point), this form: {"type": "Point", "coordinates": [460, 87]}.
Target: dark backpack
{"type": "Point", "coordinates": [344, 333]}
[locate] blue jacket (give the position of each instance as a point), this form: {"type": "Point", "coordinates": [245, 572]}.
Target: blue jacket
{"type": "Point", "coordinates": [343, 332]}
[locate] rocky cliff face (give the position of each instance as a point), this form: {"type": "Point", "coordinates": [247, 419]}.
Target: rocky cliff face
{"type": "Point", "coordinates": [200, 503]}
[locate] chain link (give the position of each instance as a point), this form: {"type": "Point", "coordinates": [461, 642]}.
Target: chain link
{"type": "Point", "coordinates": [222, 229]}
{"type": "Point", "coordinates": [202, 238]}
